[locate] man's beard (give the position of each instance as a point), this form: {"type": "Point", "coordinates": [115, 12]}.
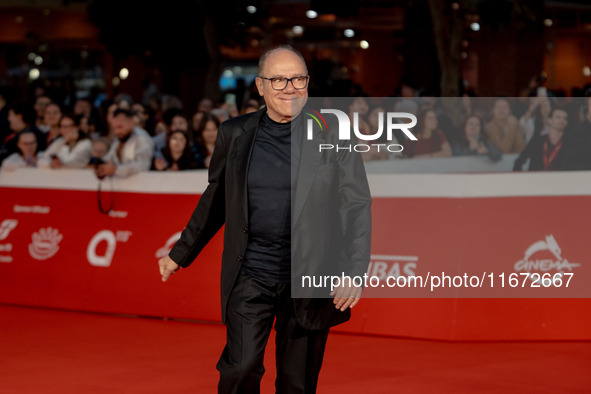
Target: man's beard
{"type": "Point", "coordinates": [125, 137]}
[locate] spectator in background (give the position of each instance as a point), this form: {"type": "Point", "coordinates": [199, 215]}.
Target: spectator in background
{"type": "Point", "coordinates": [72, 150]}
{"type": "Point", "coordinates": [21, 116]}
{"type": "Point", "coordinates": [205, 136]}
{"type": "Point", "coordinates": [373, 124]}
{"type": "Point", "coordinates": [87, 125]}
{"type": "Point", "coordinates": [142, 117]}
{"type": "Point", "coordinates": [221, 114]}
{"type": "Point", "coordinates": [360, 107]}
{"type": "Point", "coordinates": [41, 103]}
{"type": "Point", "coordinates": [250, 106]}
{"type": "Point", "coordinates": [205, 105]}
{"type": "Point", "coordinates": [431, 141]}
{"type": "Point", "coordinates": [173, 120]}
{"type": "Point", "coordinates": [100, 147]}
{"type": "Point", "coordinates": [170, 101]}
{"type": "Point", "coordinates": [51, 119]}
{"type": "Point", "coordinates": [196, 120]}
{"type": "Point", "coordinates": [473, 142]}
{"type": "Point", "coordinates": [177, 155]}
{"type": "Point", "coordinates": [123, 101]}
{"type": "Point", "coordinates": [548, 153]}
{"type": "Point", "coordinates": [535, 120]}
{"type": "Point", "coordinates": [26, 154]}
{"type": "Point", "coordinates": [581, 140]}
{"type": "Point", "coordinates": [156, 108]}
{"type": "Point", "coordinates": [4, 130]}
{"type": "Point", "coordinates": [131, 151]}
{"type": "Point", "coordinates": [109, 120]}
{"type": "Point", "coordinates": [83, 107]}
{"type": "Point", "coordinates": [504, 131]}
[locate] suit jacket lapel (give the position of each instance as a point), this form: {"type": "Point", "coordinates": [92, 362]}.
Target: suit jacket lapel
{"type": "Point", "coordinates": [308, 163]}
{"type": "Point", "coordinates": [242, 153]}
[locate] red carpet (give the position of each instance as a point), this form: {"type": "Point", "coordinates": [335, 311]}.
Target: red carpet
{"type": "Point", "coordinates": [47, 351]}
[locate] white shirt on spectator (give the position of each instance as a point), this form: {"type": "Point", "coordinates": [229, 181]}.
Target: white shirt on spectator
{"type": "Point", "coordinates": [15, 161]}
{"type": "Point", "coordinates": [77, 157]}
{"type": "Point", "coordinates": [146, 135]}
{"type": "Point", "coordinates": [136, 155]}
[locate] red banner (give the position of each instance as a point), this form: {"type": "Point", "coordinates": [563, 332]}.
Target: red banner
{"type": "Point", "coordinates": [57, 250]}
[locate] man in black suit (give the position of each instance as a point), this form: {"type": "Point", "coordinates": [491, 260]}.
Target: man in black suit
{"type": "Point", "coordinates": [289, 210]}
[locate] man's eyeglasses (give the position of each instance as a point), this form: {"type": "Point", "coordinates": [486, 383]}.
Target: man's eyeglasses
{"type": "Point", "coordinates": [280, 83]}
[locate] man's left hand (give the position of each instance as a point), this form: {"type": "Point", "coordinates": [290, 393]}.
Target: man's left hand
{"type": "Point", "coordinates": [346, 296]}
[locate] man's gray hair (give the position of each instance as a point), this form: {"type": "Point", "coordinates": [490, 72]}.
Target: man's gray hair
{"type": "Point", "coordinates": [279, 48]}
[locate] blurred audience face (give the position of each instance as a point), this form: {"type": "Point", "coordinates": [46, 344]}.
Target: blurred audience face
{"type": "Point", "coordinates": [40, 104]}
{"type": "Point", "coordinates": [473, 127]}
{"type": "Point", "coordinates": [282, 63]}
{"type": "Point", "coordinates": [52, 115]}
{"type": "Point", "coordinates": [205, 105]}
{"type": "Point", "coordinates": [140, 112]}
{"type": "Point", "coordinates": [15, 121]}
{"type": "Point", "coordinates": [110, 111]}
{"type": "Point", "coordinates": [179, 123]}
{"type": "Point", "coordinates": [360, 106]}
{"type": "Point", "coordinates": [431, 122]}
{"type": "Point", "coordinates": [501, 110]}
{"type": "Point", "coordinates": [99, 148]}
{"type": "Point", "coordinates": [210, 133]}
{"type": "Point", "coordinates": [559, 120]}
{"type": "Point", "coordinates": [177, 143]}
{"type": "Point", "coordinates": [545, 106]}
{"type": "Point", "coordinates": [160, 128]}
{"type": "Point", "coordinates": [374, 118]}
{"type": "Point", "coordinates": [68, 129]}
{"type": "Point", "coordinates": [27, 143]}
{"type": "Point", "coordinates": [197, 120]}
{"type": "Point", "coordinates": [82, 107]}
{"type": "Point", "coordinates": [85, 126]}
{"type": "Point", "coordinates": [407, 91]}
{"type": "Point", "coordinates": [122, 126]}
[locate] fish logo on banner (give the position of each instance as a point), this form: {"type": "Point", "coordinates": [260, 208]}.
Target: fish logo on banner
{"type": "Point", "coordinates": [45, 243]}
{"type": "Point", "coordinates": [6, 227]}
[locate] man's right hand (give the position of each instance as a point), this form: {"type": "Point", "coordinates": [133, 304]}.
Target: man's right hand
{"type": "Point", "coordinates": [167, 267]}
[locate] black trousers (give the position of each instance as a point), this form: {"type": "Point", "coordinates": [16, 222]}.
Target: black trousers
{"type": "Point", "coordinates": [252, 308]}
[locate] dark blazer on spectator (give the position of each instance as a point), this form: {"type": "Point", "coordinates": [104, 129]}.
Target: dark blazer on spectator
{"type": "Point", "coordinates": [534, 151]}
{"type": "Point", "coordinates": [331, 188]}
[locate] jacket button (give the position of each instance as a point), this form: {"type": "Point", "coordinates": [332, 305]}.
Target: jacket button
{"type": "Point", "coordinates": [240, 259]}
{"type": "Point", "coordinates": [245, 229]}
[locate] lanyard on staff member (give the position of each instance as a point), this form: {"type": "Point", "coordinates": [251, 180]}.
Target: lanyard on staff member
{"type": "Point", "coordinates": [548, 160]}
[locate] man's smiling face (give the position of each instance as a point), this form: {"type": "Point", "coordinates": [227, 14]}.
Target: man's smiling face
{"type": "Point", "coordinates": [286, 64]}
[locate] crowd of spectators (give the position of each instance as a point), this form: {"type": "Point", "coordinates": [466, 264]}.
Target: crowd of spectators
{"type": "Point", "coordinates": [545, 132]}
{"type": "Point", "coordinates": [122, 137]}
{"type": "Point", "coordinates": [119, 137]}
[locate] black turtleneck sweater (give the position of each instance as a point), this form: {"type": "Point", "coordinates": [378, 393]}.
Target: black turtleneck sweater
{"type": "Point", "coordinates": [268, 251]}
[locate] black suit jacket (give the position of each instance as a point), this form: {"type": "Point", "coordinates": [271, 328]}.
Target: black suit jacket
{"type": "Point", "coordinates": [331, 207]}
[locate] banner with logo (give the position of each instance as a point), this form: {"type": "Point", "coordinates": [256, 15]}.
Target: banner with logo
{"type": "Point", "coordinates": [58, 250]}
